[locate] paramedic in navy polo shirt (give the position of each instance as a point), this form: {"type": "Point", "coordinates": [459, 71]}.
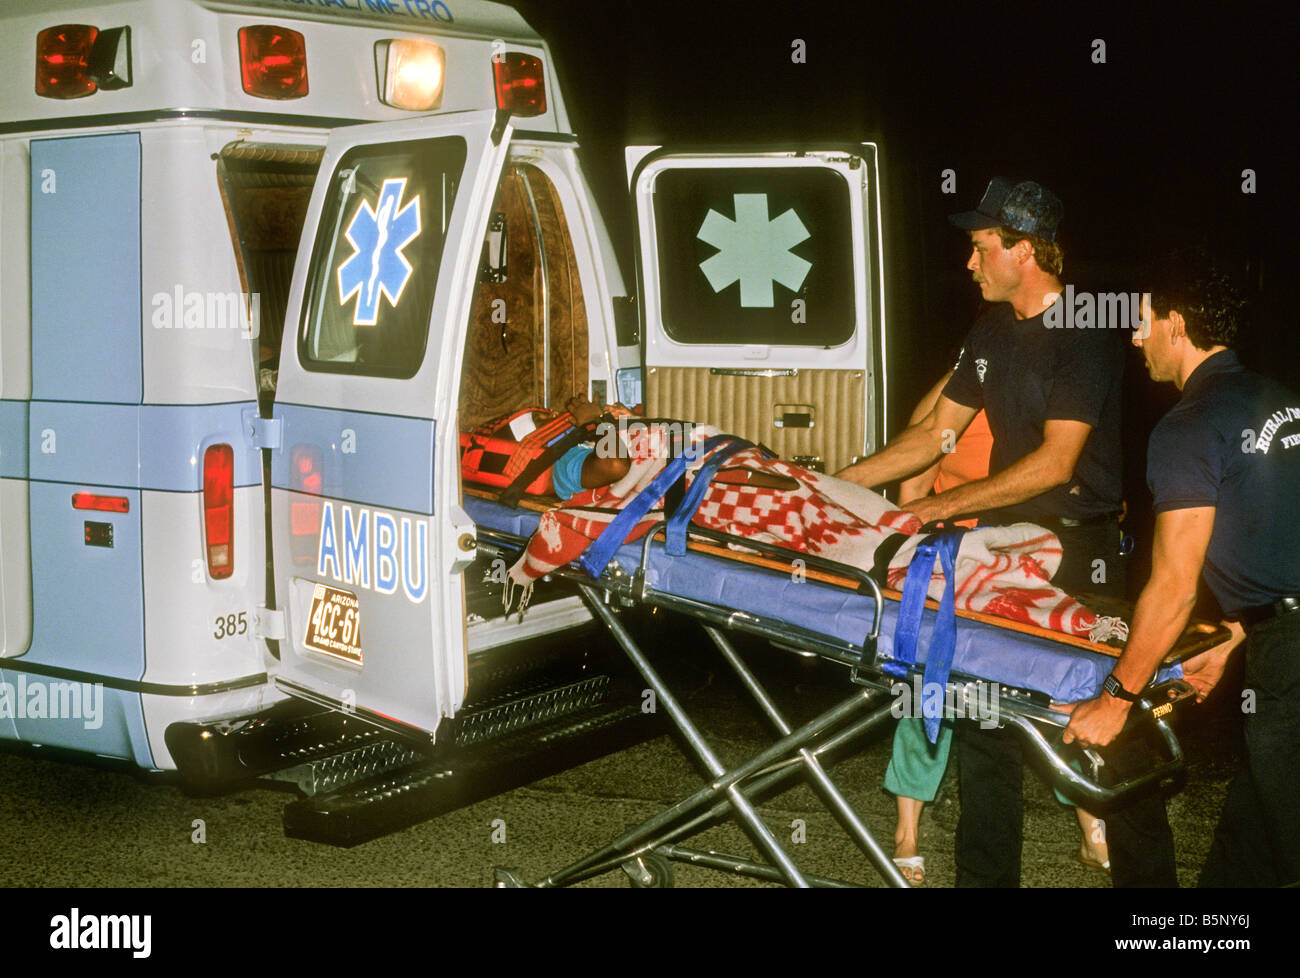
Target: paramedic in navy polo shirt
{"type": "Point", "coordinates": [1052, 396]}
{"type": "Point", "coordinates": [1224, 468]}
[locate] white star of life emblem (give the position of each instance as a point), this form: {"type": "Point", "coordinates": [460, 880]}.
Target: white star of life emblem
{"type": "Point", "coordinates": [754, 250]}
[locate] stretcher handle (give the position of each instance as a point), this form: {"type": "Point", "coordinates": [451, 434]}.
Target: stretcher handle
{"type": "Point", "coordinates": [1087, 790]}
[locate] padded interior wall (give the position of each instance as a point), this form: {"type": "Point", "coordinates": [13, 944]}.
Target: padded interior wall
{"type": "Point", "coordinates": [747, 406]}
{"type": "Point", "coordinates": [266, 190]}
{"type": "Point", "coordinates": [504, 368]}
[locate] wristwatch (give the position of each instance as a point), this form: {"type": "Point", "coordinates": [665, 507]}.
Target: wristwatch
{"type": "Point", "coordinates": [1116, 689]}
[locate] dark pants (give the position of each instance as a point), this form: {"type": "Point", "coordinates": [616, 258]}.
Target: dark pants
{"type": "Point", "coordinates": [1257, 842]}
{"type": "Point", "coordinates": [991, 761]}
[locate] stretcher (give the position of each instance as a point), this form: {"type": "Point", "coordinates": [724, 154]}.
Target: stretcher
{"type": "Point", "coordinates": [806, 604]}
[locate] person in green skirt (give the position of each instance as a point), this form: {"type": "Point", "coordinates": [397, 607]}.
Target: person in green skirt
{"type": "Point", "coordinates": [916, 766]}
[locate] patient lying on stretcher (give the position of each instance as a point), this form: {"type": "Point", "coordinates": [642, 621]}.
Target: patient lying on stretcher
{"type": "Point", "coordinates": [1004, 571]}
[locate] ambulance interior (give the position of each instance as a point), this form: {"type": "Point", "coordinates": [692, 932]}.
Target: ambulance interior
{"type": "Point", "coordinates": [266, 190]}
{"type": "Point", "coordinates": [527, 340]}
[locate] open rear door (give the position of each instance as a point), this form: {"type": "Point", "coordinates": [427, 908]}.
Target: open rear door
{"type": "Point", "coordinates": [370, 540]}
{"type": "Point", "coordinates": [762, 307]}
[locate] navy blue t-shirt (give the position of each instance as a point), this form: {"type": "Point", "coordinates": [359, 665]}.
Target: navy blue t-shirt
{"type": "Point", "coordinates": [1025, 373]}
{"type": "Point", "coordinates": [1233, 442]}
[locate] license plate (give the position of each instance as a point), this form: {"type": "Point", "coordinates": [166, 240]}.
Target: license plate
{"type": "Point", "coordinates": [334, 625]}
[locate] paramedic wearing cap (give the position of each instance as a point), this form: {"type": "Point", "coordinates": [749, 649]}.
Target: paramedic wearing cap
{"type": "Point", "coordinates": [1224, 469]}
{"type": "Point", "coordinates": [1052, 397]}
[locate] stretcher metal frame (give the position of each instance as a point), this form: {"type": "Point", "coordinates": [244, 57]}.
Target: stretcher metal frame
{"type": "Point", "coordinates": [645, 851]}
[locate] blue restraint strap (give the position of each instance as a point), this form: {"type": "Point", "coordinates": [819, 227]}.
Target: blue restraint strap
{"type": "Point", "coordinates": [943, 640]}
{"type": "Point", "coordinates": [675, 545]}
{"type": "Point", "coordinates": [596, 557]}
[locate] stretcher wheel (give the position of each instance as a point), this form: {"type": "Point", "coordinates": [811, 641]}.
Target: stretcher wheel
{"type": "Point", "coordinates": [649, 871]}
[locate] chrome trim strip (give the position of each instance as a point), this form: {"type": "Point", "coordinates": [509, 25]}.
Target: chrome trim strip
{"type": "Point", "coordinates": [134, 685]}
{"type": "Point", "coordinates": [754, 371]}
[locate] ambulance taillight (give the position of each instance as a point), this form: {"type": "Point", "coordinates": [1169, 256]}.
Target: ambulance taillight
{"type": "Point", "coordinates": [219, 510]}
{"type": "Point", "coordinates": [520, 83]}
{"type": "Point", "coordinates": [411, 73]}
{"type": "Point", "coordinates": [273, 62]}
{"type": "Point", "coordinates": [304, 517]}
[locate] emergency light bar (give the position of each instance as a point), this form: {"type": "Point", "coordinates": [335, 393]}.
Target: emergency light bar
{"type": "Point", "coordinates": [520, 84]}
{"type": "Point", "coordinates": [76, 60]}
{"type": "Point", "coordinates": [273, 62]}
{"type": "Point", "coordinates": [411, 73]}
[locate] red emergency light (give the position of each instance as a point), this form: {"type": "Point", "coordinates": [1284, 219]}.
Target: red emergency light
{"type": "Point", "coordinates": [520, 83]}
{"type": "Point", "coordinates": [219, 510]}
{"type": "Point", "coordinates": [273, 62]}
{"type": "Point", "coordinates": [63, 61]}
{"type": "Point", "coordinates": [76, 60]}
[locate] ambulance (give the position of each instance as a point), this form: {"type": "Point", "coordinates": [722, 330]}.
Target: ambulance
{"type": "Point", "coordinates": [261, 261]}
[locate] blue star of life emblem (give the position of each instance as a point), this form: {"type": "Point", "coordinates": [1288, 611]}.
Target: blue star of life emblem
{"type": "Point", "coordinates": [377, 264]}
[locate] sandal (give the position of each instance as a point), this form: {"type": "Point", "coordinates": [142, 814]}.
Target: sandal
{"type": "Point", "coordinates": [914, 863]}
{"type": "Point", "coordinates": [1091, 863]}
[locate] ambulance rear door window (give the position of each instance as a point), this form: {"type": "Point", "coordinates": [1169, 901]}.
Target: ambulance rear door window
{"type": "Point", "coordinates": [755, 255]}
{"type": "Point", "coordinates": [376, 257]}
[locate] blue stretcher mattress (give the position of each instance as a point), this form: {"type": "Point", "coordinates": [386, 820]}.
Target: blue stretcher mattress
{"type": "Point", "coordinates": [983, 651]}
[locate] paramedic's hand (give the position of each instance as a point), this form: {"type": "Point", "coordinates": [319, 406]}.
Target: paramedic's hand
{"type": "Point", "coordinates": [927, 509]}
{"type": "Point", "coordinates": [582, 409]}
{"type": "Point", "coordinates": [1096, 722]}
{"type": "Point", "coordinates": [1204, 670]}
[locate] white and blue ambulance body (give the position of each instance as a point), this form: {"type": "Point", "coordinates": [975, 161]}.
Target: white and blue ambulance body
{"type": "Point", "coordinates": [261, 260]}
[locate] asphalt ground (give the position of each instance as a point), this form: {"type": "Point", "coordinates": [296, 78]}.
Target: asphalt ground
{"type": "Point", "coordinates": [75, 824]}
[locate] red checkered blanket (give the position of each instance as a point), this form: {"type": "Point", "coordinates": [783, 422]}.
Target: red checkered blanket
{"type": "Point", "coordinates": [1004, 570]}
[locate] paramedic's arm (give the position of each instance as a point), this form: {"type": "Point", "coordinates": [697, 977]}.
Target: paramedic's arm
{"type": "Point", "coordinates": [922, 484]}
{"type": "Point", "coordinates": [1049, 465]}
{"type": "Point", "coordinates": [915, 449]}
{"type": "Point", "coordinates": [1182, 538]}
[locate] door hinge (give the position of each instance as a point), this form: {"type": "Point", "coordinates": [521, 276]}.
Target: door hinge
{"type": "Point", "coordinates": [262, 432]}
{"type": "Point", "coordinates": [269, 623]}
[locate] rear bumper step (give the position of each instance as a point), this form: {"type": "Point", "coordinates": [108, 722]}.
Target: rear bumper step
{"type": "Point", "coordinates": [216, 755]}
{"type": "Point", "coordinates": [462, 775]}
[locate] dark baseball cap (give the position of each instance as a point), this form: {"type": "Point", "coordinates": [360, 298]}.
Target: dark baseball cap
{"type": "Point", "coordinates": [1027, 207]}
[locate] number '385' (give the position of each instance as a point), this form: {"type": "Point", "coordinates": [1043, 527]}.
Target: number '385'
{"type": "Point", "coordinates": [228, 626]}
